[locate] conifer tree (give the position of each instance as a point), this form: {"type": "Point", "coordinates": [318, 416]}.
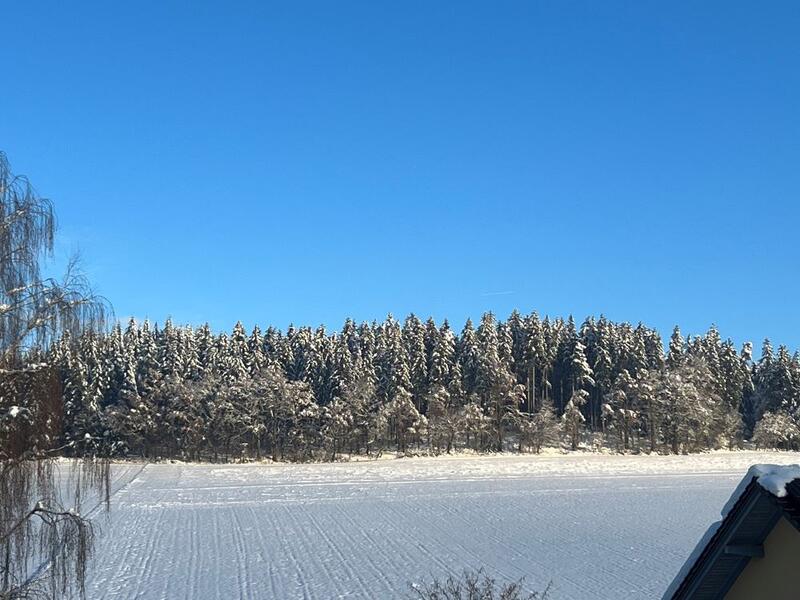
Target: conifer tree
{"type": "Point", "coordinates": [254, 358]}
{"type": "Point", "coordinates": [414, 340]}
{"type": "Point", "coordinates": [468, 359]}
{"type": "Point", "coordinates": [536, 361]}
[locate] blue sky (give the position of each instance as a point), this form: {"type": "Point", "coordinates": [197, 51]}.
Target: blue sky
{"type": "Point", "coordinates": [304, 162]}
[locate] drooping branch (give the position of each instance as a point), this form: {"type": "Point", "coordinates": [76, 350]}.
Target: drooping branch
{"type": "Point", "coordinates": [45, 543]}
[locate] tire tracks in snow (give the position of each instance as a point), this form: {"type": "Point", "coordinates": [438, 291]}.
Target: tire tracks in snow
{"type": "Point", "coordinates": [194, 546]}
{"type": "Point", "coordinates": [344, 561]}
{"type": "Point", "coordinates": [364, 533]}
{"type": "Point", "coordinates": [154, 535]}
{"type": "Point", "coordinates": [312, 549]}
{"type": "Point", "coordinates": [263, 553]}
{"type": "Point", "coordinates": [242, 564]}
{"type": "Point", "coordinates": [300, 578]}
{"type": "Point", "coordinates": [357, 538]}
{"type": "Point", "coordinates": [525, 553]}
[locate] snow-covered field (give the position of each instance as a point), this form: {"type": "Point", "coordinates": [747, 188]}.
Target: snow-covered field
{"type": "Point", "coordinates": [595, 526]}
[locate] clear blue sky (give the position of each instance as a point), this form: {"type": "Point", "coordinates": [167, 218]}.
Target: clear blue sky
{"type": "Point", "coordinates": [304, 162]}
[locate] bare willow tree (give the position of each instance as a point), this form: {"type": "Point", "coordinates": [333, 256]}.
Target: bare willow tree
{"type": "Point", "coordinates": [45, 541]}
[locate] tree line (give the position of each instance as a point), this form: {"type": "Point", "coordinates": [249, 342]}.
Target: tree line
{"type": "Point", "coordinates": [522, 384]}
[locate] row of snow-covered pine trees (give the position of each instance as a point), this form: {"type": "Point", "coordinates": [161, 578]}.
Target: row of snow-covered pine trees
{"type": "Point", "coordinates": [520, 384]}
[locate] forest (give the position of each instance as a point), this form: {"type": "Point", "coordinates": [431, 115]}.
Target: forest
{"type": "Point", "coordinates": [516, 385]}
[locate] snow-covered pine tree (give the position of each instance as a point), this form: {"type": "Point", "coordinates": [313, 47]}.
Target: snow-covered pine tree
{"type": "Point", "coordinates": [414, 340]}
{"type": "Point", "coordinates": [536, 361]}
{"type": "Point", "coordinates": [80, 415]}
{"type": "Point", "coordinates": [284, 354]}
{"type": "Point", "coordinates": [618, 414]}
{"type": "Point", "coordinates": [343, 367]}
{"type": "Point", "coordinates": [404, 421]}
{"type": "Point", "coordinates": [367, 367]}
{"type": "Point", "coordinates": [552, 333]}
{"type": "Point", "coordinates": [519, 342]}
{"type": "Point", "coordinates": [565, 337]}
{"type": "Point", "coordinates": [500, 396]}
{"type": "Point", "coordinates": [392, 361]}
{"type": "Point", "coordinates": [473, 424]}
{"type": "Point", "coordinates": [443, 420]}
{"type": "Point", "coordinates": [637, 351]}
{"type": "Point", "coordinates": [573, 418]}
{"type": "Point", "coordinates": [237, 361]}
{"type": "Point", "coordinates": [255, 359]}
{"type": "Point", "coordinates": [442, 357]}
{"type": "Point", "coordinates": [431, 341]}
{"type": "Point", "coordinates": [676, 348]}
{"type": "Point", "coordinates": [603, 370]}
{"type": "Point", "coordinates": [648, 407]}
{"type": "Point", "coordinates": [169, 349]}
{"type": "Point", "coordinates": [544, 427]}
{"type": "Point", "coordinates": [468, 357]}
{"type": "Point", "coordinates": [580, 371]}
{"type": "Point", "coordinates": [273, 339]}
{"type": "Point", "coordinates": [322, 375]}
{"type": "Point", "coordinates": [337, 426]}
{"type": "Point", "coordinates": [361, 401]}
{"type": "Point", "coordinates": [191, 367]}
{"type": "Point", "coordinates": [505, 350]}
{"type": "Point", "coordinates": [777, 430]}
{"type": "Point", "coordinates": [295, 353]}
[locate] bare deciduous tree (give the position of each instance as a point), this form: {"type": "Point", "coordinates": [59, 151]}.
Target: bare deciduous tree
{"type": "Point", "coordinates": [474, 585]}
{"type": "Point", "coordinates": [45, 541]}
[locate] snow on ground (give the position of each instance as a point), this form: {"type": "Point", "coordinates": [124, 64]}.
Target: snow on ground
{"type": "Point", "coordinates": [596, 526]}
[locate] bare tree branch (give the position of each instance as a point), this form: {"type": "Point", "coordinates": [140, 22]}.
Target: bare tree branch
{"type": "Point", "coordinates": [45, 542]}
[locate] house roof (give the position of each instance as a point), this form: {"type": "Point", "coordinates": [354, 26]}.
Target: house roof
{"type": "Point", "coordinates": [766, 494]}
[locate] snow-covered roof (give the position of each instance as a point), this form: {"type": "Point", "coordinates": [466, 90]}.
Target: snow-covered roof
{"type": "Point", "coordinates": [775, 480]}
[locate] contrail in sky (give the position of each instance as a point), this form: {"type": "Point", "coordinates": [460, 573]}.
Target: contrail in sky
{"type": "Point", "coordinates": [497, 293]}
